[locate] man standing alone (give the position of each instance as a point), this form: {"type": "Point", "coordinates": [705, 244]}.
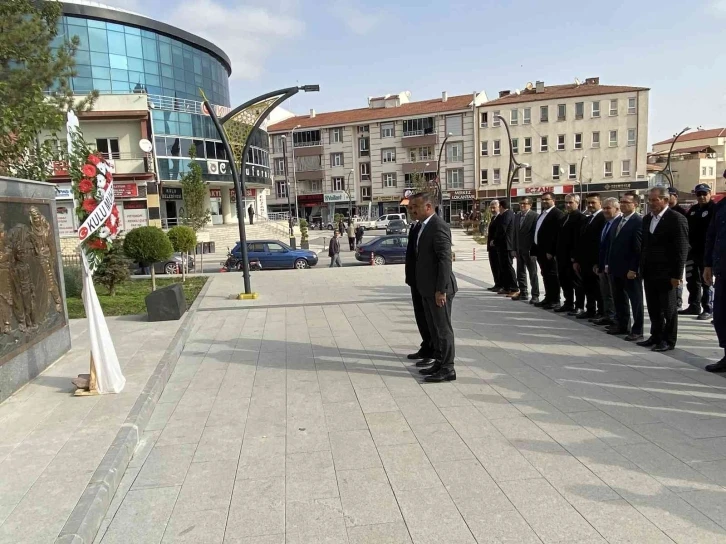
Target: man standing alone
{"type": "Point", "coordinates": [437, 285]}
{"type": "Point", "coordinates": [524, 226]}
{"type": "Point", "coordinates": [334, 251]}
{"type": "Point", "coordinates": [251, 214]}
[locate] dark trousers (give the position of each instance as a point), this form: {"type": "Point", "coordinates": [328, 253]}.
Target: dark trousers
{"type": "Point", "coordinates": [442, 333]}
{"type": "Point", "coordinates": [494, 264]}
{"type": "Point", "coordinates": [526, 264]}
{"type": "Point", "coordinates": [507, 277]}
{"type": "Point", "coordinates": [627, 295]}
{"type": "Point", "coordinates": [591, 284]}
{"type": "Point", "coordinates": [719, 310]}
{"type": "Point", "coordinates": [550, 278]}
{"type": "Point", "coordinates": [570, 283]}
{"type": "Point", "coordinates": [351, 243]}
{"type": "Point", "coordinates": [419, 312]}
{"type": "Point", "coordinates": [699, 294]}
{"type": "Point", "coordinates": [660, 296]}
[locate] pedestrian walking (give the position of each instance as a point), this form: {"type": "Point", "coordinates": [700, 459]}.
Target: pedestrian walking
{"type": "Point", "coordinates": [436, 282]}
{"type": "Point", "coordinates": [567, 242]}
{"type": "Point", "coordinates": [525, 223]}
{"type": "Point", "coordinates": [334, 250]}
{"type": "Point", "coordinates": [545, 246]}
{"type": "Point", "coordinates": [359, 232]}
{"type": "Point", "coordinates": [351, 236]}
{"type": "Point", "coordinates": [251, 214]}
{"type": "Point", "coordinates": [663, 258]}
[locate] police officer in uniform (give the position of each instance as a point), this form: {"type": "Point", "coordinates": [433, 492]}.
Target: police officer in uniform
{"type": "Point", "coordinates": [699, 217]}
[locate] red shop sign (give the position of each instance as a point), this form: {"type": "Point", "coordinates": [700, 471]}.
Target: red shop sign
{"type": "Point", "coordinates": [215, 193]}
{"type": "Point", "coordinates": [125, 190]}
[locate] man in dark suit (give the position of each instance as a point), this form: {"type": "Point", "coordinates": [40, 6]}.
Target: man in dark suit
{"type": "Point", "coordinates": [566, 244]}
{"type": "Point", "coordinates": [611, 212]}
{"type": "Point", "coordinates": [545, 245]}
{"type": "Point", "coordinates": [623, 264]}
{"type": "Point", "coordinates": [714, 261]}
{"type": "Point", "coordinates": [587, 255]}
{"type": "Point", "coordinates": [436, 282]}
{"type": "Point", "coordinates": [676, 207]}
{"type": "Point", "coordinates": [663, 258]}
{"type": "Point", "coordinates": [492, 251]}
{"type": "Point", "coordinates": [524, 224]}
{"type": "Point", "coordinates": [504, 244]}
{"type": "Point", "coordinates": [425, 353]}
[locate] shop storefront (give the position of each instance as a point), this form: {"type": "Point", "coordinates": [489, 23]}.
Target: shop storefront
{"type": "Point", "coordinates": [457, 203]}
{"type": "Point", "coordinates": [132, 206]}
{"type": "Point", "coordinates": [614, 189]}
{"type": "Point", "coordinates": [172, 207]}
{"type": "Point", "coordinates": [250, 200]}
{"type": "Point", "coordinates": [67, 223]}
{"type": "Point", "coordinates": [310, 206]}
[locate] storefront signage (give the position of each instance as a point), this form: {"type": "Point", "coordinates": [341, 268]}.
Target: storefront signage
{"type": "Point", "coordinates": [310, 199]}
{"type": "Point", "coordinates": [125, 190]}
{"type": "Point", "coordinates": [625, 186]}
{"type": "Point", "coordinates": [215, 193]}
{"type": "Point", "coordinates": [335, 197]}
{"type": "Point", "coordinates": [135, 215]}
{"type": "Point", "coordinates": [251, 192]}
{"type": "Point", "coordinates": [64, 193]}
{"type": "Point", "coordinates": [65, 214]}
{"type": "Point", "coordinates": [232, 195]}
{"type": "Point", "coordinates": [461, 195]}
{"type": "Point", "coordinates": [171, 193]}
{"type": "Point", "coordinates": [556, 189]}
{"type": "Point", "coordinates": [60, 168]}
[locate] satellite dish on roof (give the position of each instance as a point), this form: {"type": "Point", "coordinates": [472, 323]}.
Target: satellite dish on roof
{"type": "Point", "coordinates": [529, 86]}
{"type": "Point", "coordinates": [517, 91]}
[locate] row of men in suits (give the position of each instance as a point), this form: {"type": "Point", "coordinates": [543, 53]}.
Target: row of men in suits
{"type": "Point", "coordinates": [601, 262]}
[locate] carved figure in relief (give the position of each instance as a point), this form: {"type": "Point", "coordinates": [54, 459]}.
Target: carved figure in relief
{"type": "Point", "coordinates": [6, 287]}
{"type": "Point", "coordinates": [41, 240]}
{"type": "Point", "coordinates": [24, 301]}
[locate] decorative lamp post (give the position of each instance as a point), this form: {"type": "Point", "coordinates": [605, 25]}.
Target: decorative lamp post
{"type": "Point", "coordinates": [582, 201]}
{"type": "Point", "coordinates": [350, 204]}
{"type": "Point", "coordinates": [514, 164]}
{"type": "Point", "coordinates": [440, 194]}
{"type": "Point", "coordinates": [294, 171]}
{"type": "Point", "coordinates": [667, 170]}
{"type": "Point", "coordinates": [287, 190]}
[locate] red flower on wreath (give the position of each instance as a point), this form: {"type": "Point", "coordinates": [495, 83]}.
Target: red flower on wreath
{"type": "Point", "coordinates": [97, 243]}
{"type": "Point", "coordinates": [89, 205]}
{"type": "Point", "coordinates": [88, 170]}
{"type": "Point", "coordinates": [85, 186]}
{"type": "Point", "coordinates": [94, 159]}
{"type": "Point", "coordinates": [109, 178]}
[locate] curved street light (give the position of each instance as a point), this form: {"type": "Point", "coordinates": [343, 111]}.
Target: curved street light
{"type": "Point", "coordinates": [350, 204]}
{"type": "Point", "coordinates": [294, 173]}
{"type": "Point", "coordinates": [440, 194]}
{"type": "Point", "coordinates": [514, 164]}
{"type": "Point", "coordinates": [287, 190]}
{"type": "Point", "coordinates": [667, 170]}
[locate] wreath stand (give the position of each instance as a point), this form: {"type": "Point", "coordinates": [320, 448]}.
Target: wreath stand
{"type": "Point", "coordinates": [86, 383]}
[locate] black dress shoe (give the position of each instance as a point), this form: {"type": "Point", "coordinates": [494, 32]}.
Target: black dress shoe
{"type": "Point", "coordinates": [705, 316]}
{"type": "Point", "coordinates": [585, 315]}
{"type": "Point", "coordinates": [717, 367]}
{"type": "Point", "coordinates": [443, 375]}
{"type": "Point", "coordinates": [575, 312]}
{"type": "Point", "coordinates": [414, 356]}
{"type": "Point", "coordinates": [634, 338]}
{"type": "Point", "coordinates": [691, 310]}
{"type": "Point", "coordinates": [534, 300]}
{"type": "Point", "coordinates": [647, 343]}
{"type": "Point", "coordinates": [541, 303]}
{"type": "Point", "coordinates": [494, 289]}
{"type": "Point", "coordinates": [425, 362]}
{"type": "Point", "coordinates": [616, 331]}
{"type": "Point", "coordinates": [602, 322]}
{"type": "Point", "coordinates": [564, 308]}
{"type": "Point", "coordinates": [431, 370]}
{"type": "Point", "coordinates": [520, 296]}
{"type": "Point", "coordinates": [549, 306]}
{"type": "Point", "coordinates": [660, 347]}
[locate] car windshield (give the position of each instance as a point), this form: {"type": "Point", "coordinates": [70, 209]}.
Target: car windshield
{"type": "Point", "coordinates": [397, 223]}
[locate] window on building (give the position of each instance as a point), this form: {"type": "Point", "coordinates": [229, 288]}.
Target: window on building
{"type": "Point", "coordinates": [495, 119]}
{"type": "Point", "coordinates": [336, 135]}
{"type": "Point", "coordinates": [528, 174]}
{"type": "Point", "coordinates": [544, 114]}
{"type": "Point", "coordinates": [497, 147]}
{"type": "Point", "coordinates": [455, 125]}
{"type": "Point", "coordinates": [608, 169]}
{"type": "Point", "coordinates": [108, 147]}
{"type": "Point", "coordinates": [561, 142]}
{"type": "Point", "coordinates": [484, 177]}
{"type": "Point", "coordinates": [455, 178]}
{"type": "Point", "coordinates": [363, 128]}
{"type": "Point", "coordinates": [555, 172]}
{"type": "Point", "coordinates": [279, 167]}
{"type": "Point", "coordinates": [613, 138]}
{"type": "Point", "coordinates": [365, 171]}
{"type": "Point", "coordinates": [579, 110]}
{"type": "Point", "coordinates": [277, 143]}
{"type": "Point", "coordinates": [389, 180]}
{"type": "Point", "coordinates": [515, 145]}
{"type": "Point", "coordinates": [281, 187]}
{"type": "Point", "coordinates": [515, 176]}
{"type": "Point", "coordinates": [572, 172]}
{"type": "Point", "coordinates": [306, 138]}
{"type": "Point", "coordinates": [561, 112]}
{"type": "Point", "coordinates": [596, 109]}
{"type": "Point", "coordinates": [388, 130]}
{"type": "Point", "coordinates": [364, 147]}
{"type": "Point", "coordinates": [455, 152]}
{"type": "Point", "coordinates": [614, 107]}
{"type": "Point", "coordinates": [631, 136]}
{"type": "Point", "coordinates": [543, 143]}
{"type": "Point", "coordinates": [484, 119]}
{"type": "Point", "coordinates": [625, 168]}
{"type": "Point", "coordinates": [365, 192]}
{"type": "Point", "coordinates": [316, 186]}
{"type": "Point", "coordinates": [484, 149]}
{"type": "Point", "coordinates": [703, 171]}
{"type": "Point", "coordinates": [336, 159]}
{"type": "Point", "coordinates": [338, 183]}
{"type": "Point", "coordinates": [710, 171]}
{"type": "Point", "coordinates": [418, 127]}
{"type": "Point", "coordinates": [497, 176]}
{"type": "Point", "coordinates": [528, 145]}
{"type": "Point", "coordinates": [595, 140]}
{"type": "Point", "coordinates": [527, 116]}
{"type": "Point", "coordinates": [578, 141]}
{"type": "Point", "coordinates": [632, 105]}
{"type": "Point", "coordinates": [388, 154]}
{"type": "Point", "coordinates": [514, 117]}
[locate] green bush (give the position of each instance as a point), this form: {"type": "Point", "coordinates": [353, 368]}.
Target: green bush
{"type": "Point", "coordinates": [113, 270]}
{"type": "Point", "coordinates": [73, 279]}
{"type": "Point", "coordinates": [183, 239]}
{"type": "Point", "coordinates": [303, 230]}
{"type": "Point", "coordinates": [146, 246]}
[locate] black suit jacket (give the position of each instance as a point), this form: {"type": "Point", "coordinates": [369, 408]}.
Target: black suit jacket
{"type": "Point", "coordinates": [433, 259]}
{"type": "Point", "coordinates": [623, 254]}
{"type": "Point", "coordinates": [492, 232]}
{"type": "Point", "coordinates": [524, 230]}
{"type": "Point", "coordinates": [569, 236]}
{"type": "Point", "coordinates": [663, 255]}
{"type": "Point", "coordinates": [411, 255]}
{"type": "Point", "coordinates": [548, 232]}
{"type": "Point", "coordinates": [504, 233]}
{"type": "Point", "coordinates": [588, 249]}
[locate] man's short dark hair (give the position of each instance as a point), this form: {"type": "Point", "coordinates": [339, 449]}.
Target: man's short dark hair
{"type": "Point", "coordinates": [504, 203]}
{"type": "Point", "coordinates": [549, 194]}
{"type": "Point", "coordinates": [636, 197]}
{"type": "Point", "coordinates": [594, 195]}
{"type": "Point", "coordinates": [526, 200]}
{"type": "Point", "coordinates": [426, 197]}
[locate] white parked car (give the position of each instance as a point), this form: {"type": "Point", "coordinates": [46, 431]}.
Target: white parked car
{"type": "Point", "coordinates": [382, 221]}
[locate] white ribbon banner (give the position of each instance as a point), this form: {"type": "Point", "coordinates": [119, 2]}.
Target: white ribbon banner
{"type": "Point", "coordinates": [99, 216]}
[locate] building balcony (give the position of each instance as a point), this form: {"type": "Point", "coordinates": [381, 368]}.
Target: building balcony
{"type": "Point", "coordinates": [418, 140]}
{"type": "Point", "coordinates": [308, 149]}
{"type": "Point", "coordinates": [420, 166]}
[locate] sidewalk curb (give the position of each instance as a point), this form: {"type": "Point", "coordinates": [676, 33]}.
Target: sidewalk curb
{"type": "Point", "coordinates": [90, 510]}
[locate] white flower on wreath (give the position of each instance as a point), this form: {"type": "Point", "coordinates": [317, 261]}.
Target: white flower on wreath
{"type": "Point", "coordinates": [113, 220]}
{"type": "Point", "coordinates": [100, 193]}
{"type": "Point", "coordinates": [102, 167]}
{"type": "Point", "coordinates": [101, 181]}
{"type": "Point", "coordinates": [104, 232]}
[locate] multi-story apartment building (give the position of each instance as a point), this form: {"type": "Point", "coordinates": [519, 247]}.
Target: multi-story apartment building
{"type": "Point", "coordinates": [371, 156]}
{"type": "Point", "coordinates": [585, 132]}
{"type": "Point", "coordinates": [698, 157]}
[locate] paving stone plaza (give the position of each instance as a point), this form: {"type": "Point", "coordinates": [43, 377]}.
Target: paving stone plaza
{"type": "Point", "coordinates": [296, 418]}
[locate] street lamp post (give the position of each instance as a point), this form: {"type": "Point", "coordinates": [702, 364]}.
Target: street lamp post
{"type": "Point", "coordinates": [440, 195]}
{"type": "Point", "coordinates": [287, 190]}
{"type": "Point", "coordinates": [667, 170]}
{"type": "Point", "coordinates": [294, 169]}
{"type": "Point", "coordinates": [582, 202]}
{"type": "Point", "coordinates": [514, 164]}
{"type": "Point", "coordinates": [350, 204]}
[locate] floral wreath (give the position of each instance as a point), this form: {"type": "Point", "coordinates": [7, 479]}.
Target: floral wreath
{"type": "Point", "coordinates": [92, 178]}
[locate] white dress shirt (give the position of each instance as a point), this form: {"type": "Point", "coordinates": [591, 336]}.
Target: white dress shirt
{"type": "Point", "coordinates": [656, 219]}
{"type": "Point", "coordinates": [423, 226]}
{"type": "Point", "coordinates": [540, 220]}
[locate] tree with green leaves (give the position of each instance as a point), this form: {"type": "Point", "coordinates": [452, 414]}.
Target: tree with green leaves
{"type": "Point", "coordinates": [146, 246]}
{"type": "Point", "coordinates": [113, 269]}
{"type": "Point", "coordinates": [36, 64]}
{"type": "Point", "coordinates": [183, 239]}
{"type": "Point", "coordinates": [194, 192]}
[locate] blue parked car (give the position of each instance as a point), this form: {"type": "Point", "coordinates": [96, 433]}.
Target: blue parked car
{"type": "Point", "coordinates": [275, 254]}
{"type": "Point", "coordinates": [386, 250]}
